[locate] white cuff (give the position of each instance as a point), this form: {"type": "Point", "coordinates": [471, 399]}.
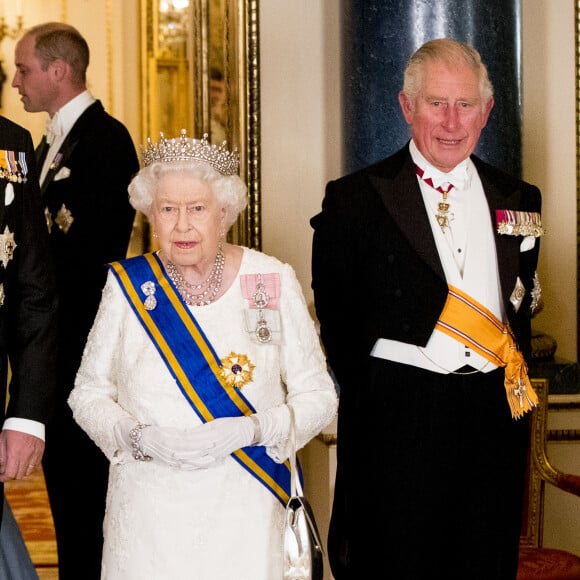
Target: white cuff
{"type": "Point", "coordinates": [28, 426]}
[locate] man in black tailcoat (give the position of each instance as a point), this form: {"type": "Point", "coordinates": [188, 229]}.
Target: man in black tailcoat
{"type": "Point", "coordinates": [424, 278]}
{"type": "Point", "coordinates": [28, 309]}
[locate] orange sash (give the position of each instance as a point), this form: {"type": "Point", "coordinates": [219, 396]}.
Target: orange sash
{"type": "Point", "coordinates": [472, 324]}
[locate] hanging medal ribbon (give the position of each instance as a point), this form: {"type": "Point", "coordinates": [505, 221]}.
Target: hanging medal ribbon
{"type": "Point", "coordinates": [443, 215]}
{"type": "Point", "coordinates": [13, 166]}
{"type": "Point", "coordinates": [262, 292]}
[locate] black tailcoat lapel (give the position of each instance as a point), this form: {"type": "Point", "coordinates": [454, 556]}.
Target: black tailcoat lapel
{"type": "Point", "coordinates": [402, 197]}
{"type": "Point", "coordinates": [70, 142]}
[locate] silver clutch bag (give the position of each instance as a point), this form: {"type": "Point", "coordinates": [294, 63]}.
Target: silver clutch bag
{"type": "Point", "coordinates": [303, 553]}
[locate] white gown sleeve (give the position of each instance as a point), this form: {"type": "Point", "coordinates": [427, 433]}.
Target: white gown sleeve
{"type": "Point", "coordinates": [94, 397]}
{"type": "Point", "coordinates": [310, 389]}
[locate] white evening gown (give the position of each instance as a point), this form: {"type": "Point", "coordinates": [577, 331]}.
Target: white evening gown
{"type": "Point", "coordinates": [218, 523]}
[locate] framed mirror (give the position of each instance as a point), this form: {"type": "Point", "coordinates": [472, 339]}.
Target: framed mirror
{"type": "Point", "coordinates": [577, 59]}
{"type": "Point", "coordinates": [200, 72]}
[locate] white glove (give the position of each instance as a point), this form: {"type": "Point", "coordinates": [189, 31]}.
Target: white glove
{"type": "Point", "coordinates": [206, 444]}
{"type": "Point", "coordinates": [218, 438]}
{"type": "Point", "coordinates": [274, 426]}
{"type": "Point", "coordinates": [166, 444]}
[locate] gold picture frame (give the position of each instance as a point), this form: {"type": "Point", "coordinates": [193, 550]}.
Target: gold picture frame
{"type": "Point", "coordinates": [181, 47]}
{"type": "Point", "coordinates": [577, 65]}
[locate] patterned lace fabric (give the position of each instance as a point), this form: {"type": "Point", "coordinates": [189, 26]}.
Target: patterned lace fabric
{"type": "Point", "coordinates": [215, 523]}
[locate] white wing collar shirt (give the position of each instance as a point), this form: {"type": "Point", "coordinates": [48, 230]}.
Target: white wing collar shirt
{"type": "Point", "coordinates": [467, 251]}
{"type": "Point", "coordinates": [59, 125]}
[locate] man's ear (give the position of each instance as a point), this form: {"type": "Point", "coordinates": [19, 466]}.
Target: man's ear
{"type": "Point", "coordinates": [406, 107]}
{"type": "Point", "coordinates": [58, 69]}
{"type": "Point", "coordinates": [487, 111]}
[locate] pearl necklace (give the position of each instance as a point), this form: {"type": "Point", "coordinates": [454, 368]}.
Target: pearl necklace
{"type": "Point", "coordinates": [209, 288]}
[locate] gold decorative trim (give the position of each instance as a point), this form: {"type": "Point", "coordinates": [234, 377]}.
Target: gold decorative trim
{"type": "Point", "coordinates": [253, 121]}
{"type": "Point", "coordinates": [200, 90]}
{"type": "Point", "coordinates": [329, 439]}
{"type": "Point", "coordinates": [563, 435]}
{"type": "Point", "coordinates": [244, 16]}
{"type": "Point", "coordinates": [531, 534]}
{"type": "Point", "coordinates": [541, 470]}
{"type": "Point", "coordinates": [577, 63]}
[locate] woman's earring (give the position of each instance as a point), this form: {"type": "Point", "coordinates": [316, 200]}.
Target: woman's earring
{"type": "Point", "coordinates": [155, 235]}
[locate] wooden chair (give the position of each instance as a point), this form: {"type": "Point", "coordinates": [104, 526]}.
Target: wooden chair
{"type": "Point", "coordinates": [536, 562]}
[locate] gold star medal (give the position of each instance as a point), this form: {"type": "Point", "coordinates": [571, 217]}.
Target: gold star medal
{"type": "Point", "coordinates": [64, 218]}
{"type": "Point", "coordinates": [237, 370]}
{"type": "Point", "coordinates": [7, 246]}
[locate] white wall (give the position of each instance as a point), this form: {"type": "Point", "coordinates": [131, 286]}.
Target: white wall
{"type": "Point", "coordinates": [301, 141]}
{"type": "Point", "coordinates": [112, 32]}
{"type": "Point", "coordinates": [549, 157]}
{"type": "Point", "coordinates": [35, 11]}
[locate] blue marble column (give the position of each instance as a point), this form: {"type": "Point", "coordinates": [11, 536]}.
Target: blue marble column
{"type": "Point", "coordinates": [378, 38]}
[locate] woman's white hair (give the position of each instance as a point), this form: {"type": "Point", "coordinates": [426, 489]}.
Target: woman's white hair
{"type": "Point", "coordinates": [229, 190]}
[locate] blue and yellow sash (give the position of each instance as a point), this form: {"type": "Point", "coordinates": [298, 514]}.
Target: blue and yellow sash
{"type": "Point", "coordinates": [192, 361]}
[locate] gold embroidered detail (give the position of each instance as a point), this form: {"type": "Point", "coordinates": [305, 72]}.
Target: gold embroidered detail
{"type": "Point", "coordinates": [237, 370]}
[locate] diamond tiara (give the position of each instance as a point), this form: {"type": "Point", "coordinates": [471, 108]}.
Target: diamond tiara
{"type": "Point", "coordinates": [184, 148]}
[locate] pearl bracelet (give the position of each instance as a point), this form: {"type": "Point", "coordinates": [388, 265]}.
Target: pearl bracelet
{"type": "Point", "coordinates": [135, 436]}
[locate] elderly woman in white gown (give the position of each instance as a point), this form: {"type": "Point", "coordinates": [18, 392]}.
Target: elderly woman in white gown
{"type": "Point", "coordinates": [196, 354]}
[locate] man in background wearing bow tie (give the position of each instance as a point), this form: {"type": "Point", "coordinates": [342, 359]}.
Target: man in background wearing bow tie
{"type": "Point", "coordinates": [424, 284]}
{"type": "Point", "coordinates": [86, 161]}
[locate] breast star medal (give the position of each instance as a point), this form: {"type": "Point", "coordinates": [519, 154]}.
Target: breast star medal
{"type": "Point", "coordinates": [64, 219]}
{"type": "Point", "coordinates": [7, 246]}
{"type": "Point", "coordinates": [237, 370]}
